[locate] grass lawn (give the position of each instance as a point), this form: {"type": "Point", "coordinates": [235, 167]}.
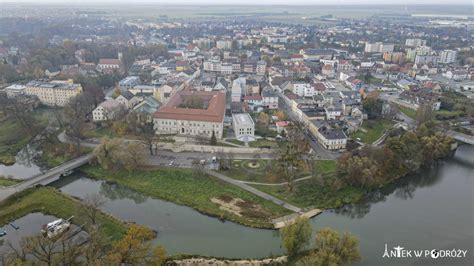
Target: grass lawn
{"type": "Point", "coordinates": [100, 132]}
{"type": "Point", "coordinates": [52, 202]}
{"type": "Point", "coordinates": [13, 138]}
{"type": "Point", "coordinates": [6, 182]}
{"type": "Point", "coordinates": [447, 115]}
{"type": "Point", "coordinates": [374, 128]}
{"type": "Point", "coordinates": [235, 141]}
{"type": "Point", "coordinates": [311, 193]}
{"type": "Point", "coordinates": [263, 143]}
{"type": "Point", "coordinates": [266, 171]}
{"type": "Point", "coordinates": [183, 187]}
{"type": "Point", "coordinates": [325, 166]}
{"type": "Point", "coordinates": [408, 112]}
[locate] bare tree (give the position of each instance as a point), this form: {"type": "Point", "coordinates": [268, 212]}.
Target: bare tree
{"type": "Point", "coordinates": [90, 207]}
{"type": "Point", "coordinates": [42, 248]}
{"type": "Point", "coordinates": [76, 114]}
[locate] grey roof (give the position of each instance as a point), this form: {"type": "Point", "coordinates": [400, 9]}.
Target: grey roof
{"type": "Point", "coordinates": [332, 133]}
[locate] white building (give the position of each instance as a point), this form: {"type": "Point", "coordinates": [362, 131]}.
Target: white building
{"type": "Point", "coordinates": [425, 59]}
{"type": "Point", "coordinates": [244, 127]}
{"type": "Point", "coordinates": [238, 89]}
{"type": "Point", "coordinates": [107, 110]}
{"type": "Point", "coordinates": [378, 47]}
{"type": "Point", "coordinates": [303, 89]}
{"type": "Point", "coordinates": [224, 44]}
{"type": "Point", "coordinates": [15, 90]}
{"type": "Point", "coordinates": [415, 42]}
{"type": "Point", "coordinates": [53, 93]}
{"type": "Point", "coordinates": [447, 56]}
{"type": "Point", "coordinates": [277, 39]}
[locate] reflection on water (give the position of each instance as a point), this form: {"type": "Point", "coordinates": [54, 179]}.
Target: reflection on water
{"type": "Point", "coordinates": [113, 191]}
{"type": "Point", "coordinates": [180, 229]}
{"type": "Point", "coordinates": [431, 209]}
{"type": "Point", "coordinates": [25, 165]}
{"type": "Point", "coordinates": [404, 188]}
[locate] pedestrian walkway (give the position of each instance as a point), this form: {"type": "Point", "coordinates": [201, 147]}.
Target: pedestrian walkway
{"type": "Point", "coordinates": [274, 184]}
{"type": "Point", "coordinates": [254, 191]}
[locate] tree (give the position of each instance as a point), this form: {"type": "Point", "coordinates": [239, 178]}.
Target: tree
{"type": "Point", "coordinates": [424, 114]}
{"type": "Point", "coordinates": [76, 112]}
{"type": "Point", "coordinates": [117, 153]}
{"type": "Point", "coordinates": [291, 154]}
{"type": "Point", "coordinates": [133, 156]}
{"type": "Point", "coordinates": [280, 114]}
{"type": "Point", "coordinates": [135, 248]}
{"type": "Point", "coordinates": [90, 207]}
{"type": "Point", "coordinates": [213, 141]}
{"type": "Point", "coordinates": [296, 236]}
{"type": "Point", "coordinates": [263, 119]}
{"type": "Point", "coordinates": [147, 134]}
{"type": "Point", "coordinates": [373, 107]}
{"type": "Point", "coordinates": [106, 151]}
{"type": "Point", "coordinates": [332, 249]}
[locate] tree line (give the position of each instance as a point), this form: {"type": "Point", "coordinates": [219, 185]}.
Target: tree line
{"type": "Point", "coordinates": [374, 167]}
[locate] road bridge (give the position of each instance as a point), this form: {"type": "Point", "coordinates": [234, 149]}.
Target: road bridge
{"type": "Point", "coordinates": [46, 177]}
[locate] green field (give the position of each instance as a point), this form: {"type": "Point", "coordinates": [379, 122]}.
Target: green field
{"type": "Point", "coordinates": [6, 181]}
{"type": "Point", "coordinates": [374, 128]}
{"type": "Point", "coordinates": [182, 186]}
{"type": "Point", "coordinates": [408, 112]}
{"type": "Point", "coordinates": [311, 193]}
{"type": "Point", "coordinates": [51, 202]}
{"type": "Point", "coordinates": [325, 166]}
{"type": "Point", "coordinates": [266, 171]}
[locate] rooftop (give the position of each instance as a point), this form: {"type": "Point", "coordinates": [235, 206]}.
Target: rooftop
{"type": "Point", "coordinates": [213, 113]}
{"type": "Point", "coordinates": [242, 119]}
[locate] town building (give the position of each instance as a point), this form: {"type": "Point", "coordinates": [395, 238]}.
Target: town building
{"type": "Point", "coordinates": [244, 127]}
{"type": "Point", "coordinates": [129, 82]}
{"type": "Point", "coordinates": [53, 93]}
{"type": "Point", "coordinates": [107, 110]}
{"type": "Point", "coordinates": [108, 65]}
{"type": "Point", "coordinates": [447, 56]}
{"type": "Point", "coordinates": [178, 116]}
{"type": "Point", "coordinates": [15, 90]}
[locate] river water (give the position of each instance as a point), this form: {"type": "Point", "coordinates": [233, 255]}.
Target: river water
{"type": "Point", "coordinates": [429, 210]}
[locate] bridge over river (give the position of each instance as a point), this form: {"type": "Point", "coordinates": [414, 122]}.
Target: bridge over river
{"type": "Point", "coordinates": [46, 177]}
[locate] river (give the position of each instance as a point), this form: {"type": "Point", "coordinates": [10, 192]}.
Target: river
{"type": "Point", "coordinates": [432, 209]}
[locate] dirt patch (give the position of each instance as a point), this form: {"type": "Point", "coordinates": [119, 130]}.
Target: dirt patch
{"type": "Point", "coordinates": [240, 207]}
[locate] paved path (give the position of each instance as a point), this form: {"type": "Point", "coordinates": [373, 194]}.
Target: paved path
{"type": "Point", "coordinates": [46, 177]}
{"type": "Point", "coordinates": [273, 184]}
{"type": "Point", "coordinates": [254, 191]}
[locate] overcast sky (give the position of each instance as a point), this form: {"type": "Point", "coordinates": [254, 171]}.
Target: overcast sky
{"type": "Point", "coordinates": [253, 2]}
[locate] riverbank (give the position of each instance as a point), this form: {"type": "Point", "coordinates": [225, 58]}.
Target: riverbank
{"type": "Point", "coordinates": [52, 202]}
{"type": "Point", "coordinates": [204, 193]}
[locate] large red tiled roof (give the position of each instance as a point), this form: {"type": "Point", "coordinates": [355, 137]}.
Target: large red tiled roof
{"type": "Point", "coordinates": [214, 112]}
{"type": "Point", "coordinates": [109, 61]}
